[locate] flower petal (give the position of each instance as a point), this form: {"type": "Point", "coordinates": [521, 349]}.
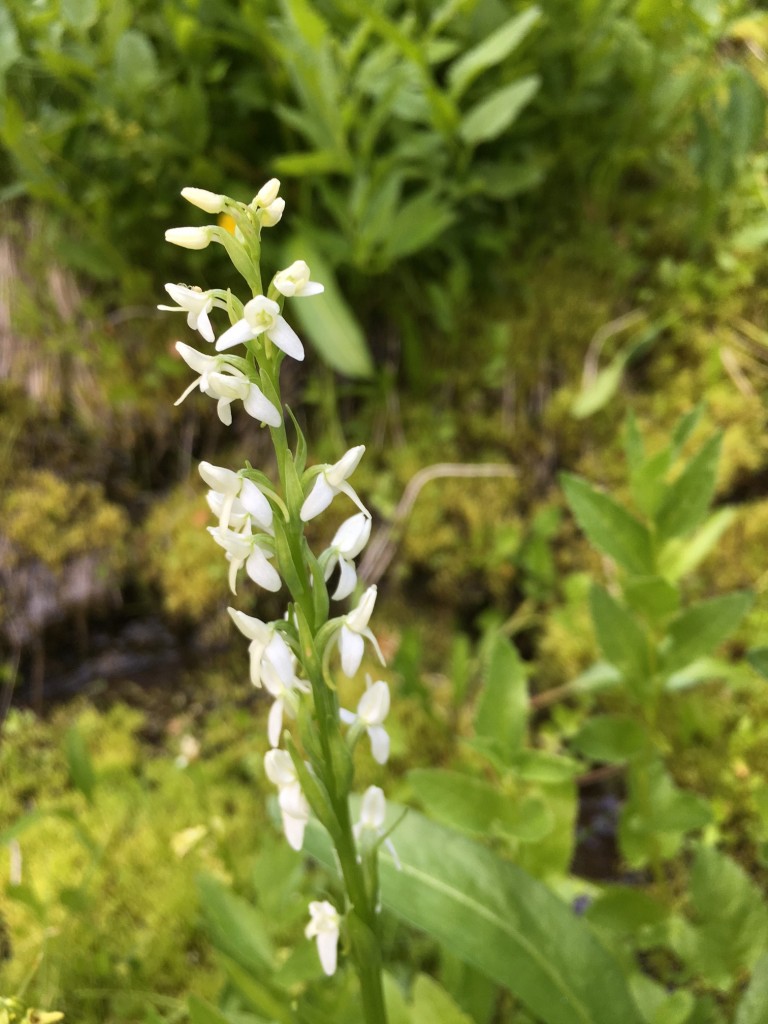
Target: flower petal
{"type": "Point", "coordinates": [275, 723]}
{"type": "Point", "coordinates": [256, 504]}
{"type": "Point", "coordinates": [318, 499]}
{"type": "Point", "coordinates": [259, 406]}
{"type": "Point", "coordinates": [286, 339]}
{"type": "Point", "coordinates": [327, 945]}
{"type": "Point", "coordinates": [347, 580]}
{"type": "Point", "coordinates": [351, 647]}
{"type": "Point", "coordinates": [379, 743]}
{"type": "Point", "coordinates": [237, 334]}
{"type": "Point", "coordinates": [262, 572]}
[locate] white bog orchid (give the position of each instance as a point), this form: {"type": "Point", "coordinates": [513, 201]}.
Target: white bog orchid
{"type": "Point", "coordinates": [278, 673]}
{"type": "Point", "coordinates": [262, 646]}
{"type": "Point", "coordinates": [262, 316]}
{"type": "Point", "coordinates": [353, 629]}
{"type": "Point", "coordinates": [196, 303]}
{"type": "Point", "coordinates": [348, 541]}
{"type": "Point", "coordinates": [370, 826]}
{"type": "Point", "coordinates": [332, 480]}
{"type": "Point", "coordinates": [324, 927]}
{"type": "Point", "coordinates": [211, 202]}
{"type": "Point", "coordinates": [294, 282]}
{"type": "Point", "coordinates": [372, 710]}
{"type": "Point", "coordinates": [294, 808]}
{"type": "Point", "coordinates": [219, 379]}
{"type": "Point", "coordinates": [189, 238]}
{"type": "Point", "coordinates": [234, 497]}
{"type": "Point", "coordinates": [267, 194]}
{"type": "Point", "coordinates": [245, 549]}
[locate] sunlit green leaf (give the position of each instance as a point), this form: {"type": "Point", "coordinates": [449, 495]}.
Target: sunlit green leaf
{"type": "Point", "coordinates": [688, 498]}
{"type": "Point", "coordinates": [502, 709]}
{"type": "Point", "coordinates": [491, 51]}
{"type": "Point", "coordinates": [609, 526]}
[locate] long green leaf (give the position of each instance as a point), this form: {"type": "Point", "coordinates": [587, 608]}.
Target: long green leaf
{"type": "Point", "coordinates": [235, 927]}
{"type": "Point", "coordinates": [703, 627]}
{"type": "Point", "coordinates": [609, 526]}
{"type": "Point", "coordinates": [753, 1008]}
{"type": "Point", "coordinates": [622, 640]}
{"type": "Point", "coordinates": [502, 710]}
{"type": "Point", "coordinates": [491, 51]}
{"type": "Point", "coordinates": [688, 498]}
{"type": "Point", "coordinates": [493, 915]}
{"type": "Point", "coordinates": [327, 319]}
{"type": "Point", "coordinates": [493, 115]}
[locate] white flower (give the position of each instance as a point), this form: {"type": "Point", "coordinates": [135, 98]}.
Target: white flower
{"type": "Point", "coordinates": [370, 826]}
{"type": "Point", "coordinates": [244, 549]}
{"type": "Point", "coordinates": [294, 282]}
{"type": "Point", "coordinates": [331, 481]}
{"type": "Point", "coordinates": [372, 709]}
{"type": "Point", "coordinates": [324, 926]}
{"type": "Point", "coordinates": [278, 672]}
{"type": "Point", "coordinates": [272, 214]}
{"type": "Point", "coordinates": [262, 316]}
{"type": "Point", "coordinates": [353, 629]}
{"type": "Point", "coordinates": [233, 498]}
{"type": "Point", "coordinates": [294, 808]}
{"type": "Point", "coordinates": [260, 634]}
{"type": "Point", "coordinates": [348, 541]}
{"type": "Point", "coordinates": [267, 194]}
{"type": "Point", "coordinates": [189, 238]}
{"type": "Point", "coordinates": [224, 382]}
{"type": "Point", "coordinates": [196, 303]}
{"type": "Point", "coordinates": [211, 202]}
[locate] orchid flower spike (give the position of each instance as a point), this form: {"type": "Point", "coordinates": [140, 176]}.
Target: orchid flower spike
{"type": "Point", "coordinates": [372, 709]}
{"type": "Point", "coordinates": [348, 541]}
{"type": "Point", "coordinates": [232, 495]}
{"type": "Point", "coordinates": [294, 808]}
{"type": "Point", "coordinates": [324, 926]}
{"type": "Point", "coordinates": [294, 282]}
{"type": "Point", "coordinates": [219, 379]}
{"type": "Point", "coordinates": [353, 629]}
{"type": "Point", "coordinates": [262, 316]}
{"type": "Point", "coordinates": [196, 303]}
{"type": "Point", "coordinates": [245, 549]}
{"type": "Point", "coordinates": [331, 481]}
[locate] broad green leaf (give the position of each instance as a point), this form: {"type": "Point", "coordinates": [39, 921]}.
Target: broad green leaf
{"type": "Point", "coordinates": [702, 627]}
{"type": "Point", "coordinates": [689, 497]}
{"type": "Point", "coordinates": [79, 763]}
{"type": "Point", "coordinates": [679, 557]}
{"type": "Point", "coordinates": [657, 825]}
{"type": "Point", "coordinates": [611, 738]}
{"type": "Point", "coordinates": [327, 319]}
{"type": "Point", "coordinates": [397, 1009]}
{"type": "Point", "coordinates": [479, 807]}
{"type": "Point", "coordinates": [730, 927]}
{"type": "Point", "coordinates": [10, 50]}
{"type": "Point", "coordinates": [753, 1008]}
{"type": "Point", "coordinates": [418, 222]}
{"type": "Point", "coordinates": [322, 161]}
{"type": "Point", "coordinates": [493, 115]}
{"type": "Point", "coordinates": [609, 526]}
{"type": "Point", "coordinates": [600, 676]}
{"type": "Point", "coordinates": [502, 709]}
{"type": "Point", "coordinates": [491, 51]}
{"type": "Point", "coordinates": [541, 766]}
{"type": "Point", "coordinates": [235, 927]}
{"type": "Point", "coordinates": [625, 909]}
{"type": "Point", "coordinates": [311, 25]}
{"type": "Point", "coordinates": [758, 659]}
{"type": "Point", "coordinates": [433, 1005]}
{"type": "Point", "coordinates": [622, 640]}
{"type": "Point", "coordinates": [704, 670]}
{"type": "Point", "coordinates": [135, 64]}
{"type": "Point", "coordinates": [652, 596]}
{"type": "Point", "coordinates": [80, 14]}
{"type": "Point", "coordinates": [491, 914]}
{"type": "Point", "coordinates": [259, 995]}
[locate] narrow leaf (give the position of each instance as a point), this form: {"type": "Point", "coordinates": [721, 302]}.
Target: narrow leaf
{"type": "Point", "coordinates": [609, 526]}
{"type": "Point", "coordinates": [502, 710]}
{"type": "Point", "coordinates": [491, 51]}
{"type": "Point", "coordinates": [703, 627]}
{"type": "Point", "coordinates": [493, 115]}
{"type": "Point", "coordinates": [79, 763]}
{"type": "Point", "coordinates": [753, 1008]}
{"type": "Point", "coordinates": [622, 640]}
{"type": "Point", "coordinates": [235, 927]}
{"type": "Point", "coordinates": [688, 498]}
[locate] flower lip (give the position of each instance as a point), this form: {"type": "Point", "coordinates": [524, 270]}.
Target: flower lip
{"type": "Point", "coordinates": [211, 202]}
{"type": "Point", "coordinates": [189, 238]}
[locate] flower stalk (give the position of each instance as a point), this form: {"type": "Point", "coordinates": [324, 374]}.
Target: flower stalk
{"type": "Point", "coordinates": [261, 528]}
